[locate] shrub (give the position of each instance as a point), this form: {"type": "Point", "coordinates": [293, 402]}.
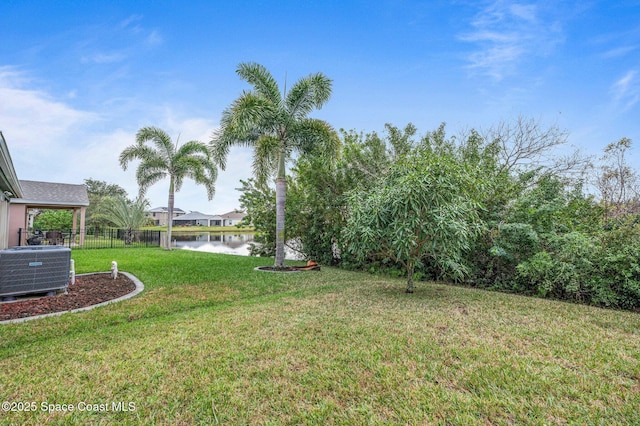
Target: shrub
{"type": "Point", "coordinates": [566, 271]}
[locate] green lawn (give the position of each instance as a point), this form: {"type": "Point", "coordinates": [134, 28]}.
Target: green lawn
{"type": "Point", "coordinates": [211, 341]}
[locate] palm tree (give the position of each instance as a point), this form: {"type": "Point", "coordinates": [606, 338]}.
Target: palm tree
{"type": "Point", "coordinates": [191, 160]}
{"type": "Point", "coordinates": [276, 126]}
{"type": "Point", "coordinates": [124, 214]}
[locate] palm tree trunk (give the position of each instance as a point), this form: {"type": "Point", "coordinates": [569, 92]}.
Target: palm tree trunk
{"type": "Point", "coordinates": [170, 212]}
{"type": "Point", "coordinates": [281, 195]}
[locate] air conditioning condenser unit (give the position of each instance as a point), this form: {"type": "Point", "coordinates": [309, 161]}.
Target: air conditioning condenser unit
{"type": "Point", "coordinates": [33, 269]}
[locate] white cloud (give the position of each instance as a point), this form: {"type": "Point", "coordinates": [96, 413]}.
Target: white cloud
{"type": "Point", "coordinates": [626, 90]}
{"type": "Point", "coordinates": [187, 128]}
{"type": "Point", "coordinates": [526, 12]}
{"type": "Point", "coordinates": [109, 44]}
{"type": "Point", "coordinates": [133, 19]}
{"type": "Point", "coordinates": [104, 58]}
{"type": "Point", "coordinates": [619, 52]}
{"type": "Point", "coordinates": [31, 118]}
{"type": "Point", "coordinates": [52, 141]}
{"type": "Point", "coordinates": [506, 33]}
{"type": "Point", "coordinates": [154, 39]}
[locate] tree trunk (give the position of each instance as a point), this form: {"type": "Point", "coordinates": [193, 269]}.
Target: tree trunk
{"type": "Point", "coordinates": [170, 213]}
{"type": "Point", "coordinates": [410, 269]}
{"type": "Point", "coordinates": [281, 195]}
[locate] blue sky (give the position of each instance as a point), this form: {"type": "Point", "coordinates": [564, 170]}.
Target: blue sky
{"type": "Point", "coordinates": [78, 79]}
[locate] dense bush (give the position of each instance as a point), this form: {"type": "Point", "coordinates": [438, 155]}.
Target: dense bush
{"type": "Point", "coordinates": [602, 270]}
{"type": "Point", "coordinates": [535, 229]}
{"type": "Point", "coordinates": [421, 211]}
{"type": "Point", "coordinates": [563, 270]}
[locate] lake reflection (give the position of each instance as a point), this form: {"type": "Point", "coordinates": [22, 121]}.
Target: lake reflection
{"type": "Point", "coordinates": [214, 242]}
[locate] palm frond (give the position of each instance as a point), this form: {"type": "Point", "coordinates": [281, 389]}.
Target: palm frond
{"type": "Point", "coordinates": [265, 157]}
{"type": "Point", "coordinates": [308, 94]}
{"type": "Point", "coordinates": [219, 147]}
{"type": "Point", "coordinates": [147, 177]}
{"type": "Point", "coordinates": [192, 148]}
{"type": "Point", "coordinates": [245, 114]}
{"type": "Point", "coordinates": [241, 125]}
{"type": "Point", "coordinates": [205, 174]}
{"type": "Point", "coordinates": [124, 213]}
{"type": "Point", "coordinates": [194, 160]}
{"type": "Point", "coordinates": [137, 152]}
{"type": "Point", "coordinates": [315, 137]}
{"type": "Point", "coordinates": [159, 137]}
{"type": "Point", "coordinates": [262, 81]}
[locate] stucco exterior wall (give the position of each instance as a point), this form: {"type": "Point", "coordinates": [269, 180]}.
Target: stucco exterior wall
{"type": "Point", "coordinates": [17, 220]}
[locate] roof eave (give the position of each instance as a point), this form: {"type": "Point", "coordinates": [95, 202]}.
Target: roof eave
{"type": "Point", "coordinates": [41, 203]}
{"type": "Point", "coordinates": [8, 176]}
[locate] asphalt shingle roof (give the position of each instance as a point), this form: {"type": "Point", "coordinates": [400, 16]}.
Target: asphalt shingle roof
{"type": "Point", "coordinates": [51, 193]}
{"type": "Point", "coordinates": [234, 215]}
{"type": "Point", "coordinates": [194, 216]}
{"type": "Point", "coordinates": [165, 210]}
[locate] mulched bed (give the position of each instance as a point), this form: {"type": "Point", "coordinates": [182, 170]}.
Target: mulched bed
{"type": "Point", "coordinates": [88, 290]}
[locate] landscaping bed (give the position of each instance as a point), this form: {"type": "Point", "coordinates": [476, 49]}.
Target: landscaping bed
{"type": "Point", "coordinates": [88, 290]}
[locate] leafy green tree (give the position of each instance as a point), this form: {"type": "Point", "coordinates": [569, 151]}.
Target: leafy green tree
{"type": "Point", "coordinates": [54, 219]}
{"type": "Point", "coordinates": [98, 190]}
{"type": "Point", "coordinates": [125, 214]}
{"type": "Point", "coordinates": [277, 126]}
{"type": "Point", "coordinates": [422, 210]}
{"type": "Point", "coordinates": [316, 193]}
{"type": "Point", "coordinates": [163, 159]}
{"type": "Point", "coordinates": [317, 190]}
{"type": "Point", "coordinates": [258, 201]}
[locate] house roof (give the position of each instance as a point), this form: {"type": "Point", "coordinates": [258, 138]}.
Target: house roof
{"type": "Point", "coordinates": [165, 210]}
{"type": "Point", "coordinates": [52, 194]}
{"type": "Point", "coordinates": [8, 178]}
{"type": "Point", "coordinates": [236, 214]}
{"type": "Point", "coordinates": [194, 216]}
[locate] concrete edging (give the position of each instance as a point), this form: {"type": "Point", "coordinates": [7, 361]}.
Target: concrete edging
{"type": "Point", "coordinates": [138, 290]}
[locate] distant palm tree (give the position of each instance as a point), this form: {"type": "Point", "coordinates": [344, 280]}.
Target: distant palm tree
{"type": "Point", "coordinates": [168, 160]}
{"type": "Point", "coordinates": [124, 214]}
{"type": "Point", "coordinates": [276, 126]}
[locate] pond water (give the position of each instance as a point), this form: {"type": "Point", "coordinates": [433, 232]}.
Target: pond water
{"type": "Point", "coordinates": [219, 242]}
{"type": "Point", "coordinates": [214, 242]}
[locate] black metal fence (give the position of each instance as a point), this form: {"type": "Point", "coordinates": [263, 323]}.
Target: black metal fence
{"type": "Point", "coordinates": [90, 238]}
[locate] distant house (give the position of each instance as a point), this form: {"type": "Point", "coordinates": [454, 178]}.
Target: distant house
{"type": "Point", "coordinates": [200, 219]}
{"type": "Point", "coordinates": [160, 215]}
{"type": "Point", "coordinates": [196, 219]}
{"type": "Point", "coordinates": [232, 218]}
{"type": "Point", "coordinates": [46, 195]}
{"type": "Point", "coordinates": [9, 188]}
